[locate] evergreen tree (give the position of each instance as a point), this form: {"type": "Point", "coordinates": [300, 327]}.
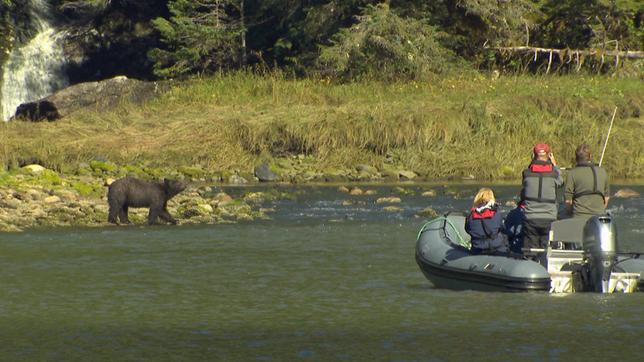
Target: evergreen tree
{"type": "Point", "coordinates": [386, 46]}
{"type": "Point", "coordinates": [592, 23]}
{"type": "Point", "coordinates": [199, 36]}
{"type": "Point", "coordinates": [207, 35]}
{"type": "Point", "coordinates": [289, 32]}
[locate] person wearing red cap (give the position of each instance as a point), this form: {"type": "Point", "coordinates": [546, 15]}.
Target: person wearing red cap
{"type": "Point", "coordinates": [540, 148]}
{"type": "Point", "coordinates": [539, 196]}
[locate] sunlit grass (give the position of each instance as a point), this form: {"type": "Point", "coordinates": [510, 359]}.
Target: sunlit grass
{"type": "Point", "coordinates": [456, 126]}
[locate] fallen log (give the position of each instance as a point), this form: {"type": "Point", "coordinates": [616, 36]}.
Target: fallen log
{"type": "Point", "coordinates": [578, 54]}
{"type": "Point", "coordinates": [585, 52]}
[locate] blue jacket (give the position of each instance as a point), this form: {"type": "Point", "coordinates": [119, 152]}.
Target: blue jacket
{"type": "Point", "coordinates": [514, 228]}
{"type": "Point", "coordinates": [485, 227]}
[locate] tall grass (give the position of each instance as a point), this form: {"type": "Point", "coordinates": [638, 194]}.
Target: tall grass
{"type": "Point", "coordinates": [456, 126]}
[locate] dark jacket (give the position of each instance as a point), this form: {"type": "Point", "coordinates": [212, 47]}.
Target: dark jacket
{"type": "Point", "coordinates": [485, 227]}
{"type": "Point", "coordinates": [513, 228]}
{"type": "Point", "coordinates": [539, 193]}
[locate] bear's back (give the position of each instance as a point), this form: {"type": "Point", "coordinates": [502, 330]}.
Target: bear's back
{"type": "Point", "coordinates": [137, 193]}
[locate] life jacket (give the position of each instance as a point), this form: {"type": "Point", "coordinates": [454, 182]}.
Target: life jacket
{"type": "Point", "coordinates": [487, 213]}
{"type": "Point", "coordinates": [595, 190]}
{"type": "Point", "coordinates": [538, 169]}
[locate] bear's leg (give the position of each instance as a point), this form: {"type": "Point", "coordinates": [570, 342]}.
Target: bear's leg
{"type": "Point", "coordinates": [154, 214]}
{"type": "Point", "coordinates": [123, 215]}
{"type": "Point", "coordinates": [111, 217]}
{"type": "Point", "coordinates": [165, 215]}
{"type": "Point", "coordinates": [114, 210]}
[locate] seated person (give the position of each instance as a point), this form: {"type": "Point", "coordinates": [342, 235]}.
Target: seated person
{"type": "Point", "coordinates": [485, 225]}
{"type": "Point", "coordinates": [514, 228]}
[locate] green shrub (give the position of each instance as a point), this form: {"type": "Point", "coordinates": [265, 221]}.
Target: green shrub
{"type": "Point", "coordinates": [193, 172]}
{"type": "Point", "coordinates": [87, 189]}
{"type": "Point", "coordinates": [50, 177]}
{"type": "Point", "coordinates": [101, 166]}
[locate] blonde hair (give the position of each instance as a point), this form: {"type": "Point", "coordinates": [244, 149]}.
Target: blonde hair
{"type": "Point", "coordinates": [484, 196]}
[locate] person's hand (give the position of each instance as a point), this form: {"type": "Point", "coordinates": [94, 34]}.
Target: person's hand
{"type": "Point", "coordinates": [551, 157]}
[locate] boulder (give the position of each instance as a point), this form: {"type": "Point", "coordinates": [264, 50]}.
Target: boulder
{"type": "Point", "coordinates": [404, 191]}
{"type": "Point", "coordinates": [388, 200]}
{"type": "Point", "coordinates": [407, 175]}
{"type": "Point", "coordinates": [343, 189]}
{"type": "Point", "coordinates": [429, 193]}
{"type": "Point", "coordinates": [223, 198]}
{"type": "Point", "coordinates": [51, 199]}
{"type": "Point", "coordinates": [356, 191]}
{"type": "Point", "coordinates": [34, 168]}
{"type": "Point", "coordinates": [626, 193]}
{"type": "Point", "coordinates": [204, 209]}
{"type": "Point", "coordinates": [66, 195]}
{"type": "Point", "coordinates": [80, 11]}
{"type": "Point", "coordinates": [237, 180]}
{"type": "Point", "coordinates": [104, 94]}
{"type": "Point", "coordinates": [10, 203]}
{"type": "Point", "coordinates": [264, 173]}
{"type": "Point", "coordinates": [427, 212]}
{"type": "Point", "coordinates": [392, 209]}
{"type": "Point", "coordinates": [34, 194]}
{"type": "Point", "coordinates": [255, 197]}
{"type": "Point", "coordinates": [367, 169]}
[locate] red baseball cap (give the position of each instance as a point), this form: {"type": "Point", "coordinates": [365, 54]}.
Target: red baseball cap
{"type": "Point", "coordinates": [541, 147]}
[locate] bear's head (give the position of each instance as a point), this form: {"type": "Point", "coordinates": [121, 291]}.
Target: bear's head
{"type": "Point", "coordinates": [173, 187]}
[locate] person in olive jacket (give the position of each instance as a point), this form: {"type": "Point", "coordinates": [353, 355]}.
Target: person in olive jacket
{"type": "Point", "coordinates": [484, 223]}
{"type": "Point", "coordinates": [587, 190]}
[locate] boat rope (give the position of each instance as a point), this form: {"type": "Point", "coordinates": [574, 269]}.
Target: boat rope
{"type": "Point", "coordinates": [462, 242]}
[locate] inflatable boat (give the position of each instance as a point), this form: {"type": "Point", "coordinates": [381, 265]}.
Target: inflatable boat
{"type": "Point", "coordinates": [581, 255]}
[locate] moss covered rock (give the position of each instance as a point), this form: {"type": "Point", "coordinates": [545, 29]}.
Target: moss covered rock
{"type": "Point", "coordinates": [102, 167]}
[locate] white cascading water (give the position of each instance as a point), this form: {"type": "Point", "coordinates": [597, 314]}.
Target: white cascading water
{"type": "Point", "coordinates": [35, 69]}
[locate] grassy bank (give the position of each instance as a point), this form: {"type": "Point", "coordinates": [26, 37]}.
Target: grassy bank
{"type": "Point", "coordinates": [455, 127]}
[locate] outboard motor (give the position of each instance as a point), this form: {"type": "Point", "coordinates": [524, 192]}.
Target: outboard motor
{"type": "Point", "coordinates": [600, 249]}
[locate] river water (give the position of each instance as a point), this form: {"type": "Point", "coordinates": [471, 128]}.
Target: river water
{"type": "Point", "coordinates": [323, 280]}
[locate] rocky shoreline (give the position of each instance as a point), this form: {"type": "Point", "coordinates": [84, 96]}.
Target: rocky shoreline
{"type": "Point", "coordinates": [43, 198]}
{"type": "Point", "coordinates": [36, 197]}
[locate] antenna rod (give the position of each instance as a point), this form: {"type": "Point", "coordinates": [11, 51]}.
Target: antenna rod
{"type": "Point", "coordinates": [608, 135]}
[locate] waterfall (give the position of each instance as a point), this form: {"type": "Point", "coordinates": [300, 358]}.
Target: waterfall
{"type": "Point", "coordinates": [35, 69]}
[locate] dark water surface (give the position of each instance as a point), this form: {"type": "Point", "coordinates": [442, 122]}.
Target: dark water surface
{"type": "Point", "coordinates": [321, 281]}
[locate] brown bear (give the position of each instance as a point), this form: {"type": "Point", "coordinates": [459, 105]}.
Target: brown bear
{"type": "Point", "coordinates": [130, 192]}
